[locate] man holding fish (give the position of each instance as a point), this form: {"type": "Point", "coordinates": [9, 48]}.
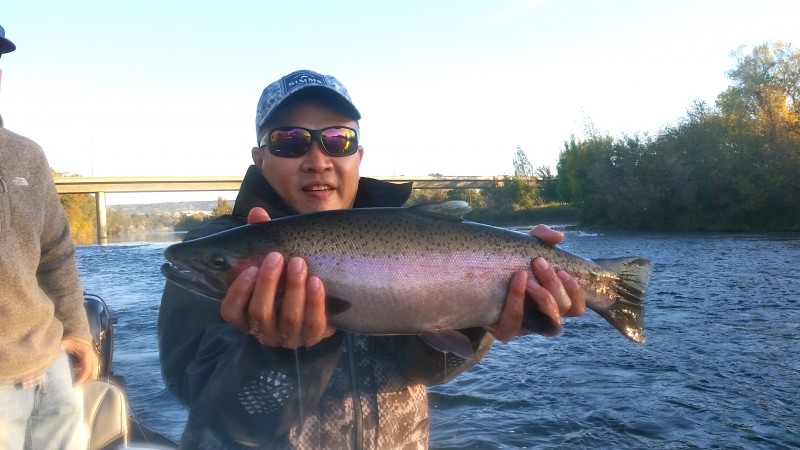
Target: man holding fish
{"type": "Point", "coordinates": [266, 367]}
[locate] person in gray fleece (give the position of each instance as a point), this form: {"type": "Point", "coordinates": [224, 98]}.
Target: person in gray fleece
{"type": "Point", "coordinates": [41, 305]}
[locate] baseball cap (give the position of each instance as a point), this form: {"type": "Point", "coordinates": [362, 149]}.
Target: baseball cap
{"type": "Point", "coordinates": [302, 84]}
{"type": "Point", "coordinates": [6, 46]}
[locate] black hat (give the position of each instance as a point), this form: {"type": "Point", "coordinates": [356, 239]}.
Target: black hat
{"type": "Point", "coordinates": [6, 46]}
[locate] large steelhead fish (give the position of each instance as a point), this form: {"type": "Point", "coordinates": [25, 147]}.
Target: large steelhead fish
{"type": "Point", "coordinates": [418, 270]}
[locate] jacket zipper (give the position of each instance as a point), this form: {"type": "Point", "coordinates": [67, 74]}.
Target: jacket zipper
{"type": "Point", "coordinates": [5, 209]}
{"type": "Point", "coordinates": [357, 431]}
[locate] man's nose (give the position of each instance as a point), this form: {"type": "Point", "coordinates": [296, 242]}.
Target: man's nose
{"type": "Point", "coordinates": [316, 158]}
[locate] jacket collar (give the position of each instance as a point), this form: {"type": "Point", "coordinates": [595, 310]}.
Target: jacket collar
{"type": "Point", "coordinates": [256, 191]}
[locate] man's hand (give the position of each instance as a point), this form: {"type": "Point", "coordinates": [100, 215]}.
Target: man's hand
{"type": "Point", "coordinates": [280, 305]}
{"type": "Point", "coordinates": [88, 361]}
{"type": "Point", "coordinates": [556, 294]}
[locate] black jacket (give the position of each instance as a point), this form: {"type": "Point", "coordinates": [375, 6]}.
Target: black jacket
{"type": "Point", "coordinates": [348, 391]}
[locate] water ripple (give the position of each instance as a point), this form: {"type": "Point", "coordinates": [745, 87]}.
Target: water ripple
{"type": "Point", "coordinates": [719, 369]}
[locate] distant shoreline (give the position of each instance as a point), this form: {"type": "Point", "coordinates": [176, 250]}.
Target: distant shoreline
{"type": "Point", "coordinates": [554, 215]}
{"type": "Point", "coordinates": [563, 215]}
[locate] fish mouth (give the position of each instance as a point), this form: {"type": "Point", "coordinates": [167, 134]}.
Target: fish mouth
{"type": "Point", "coordinates": [191, 280]}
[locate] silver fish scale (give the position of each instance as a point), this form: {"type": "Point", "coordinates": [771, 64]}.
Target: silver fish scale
{"type": "Point", "coordinates": [423, 272]}
{"type": "Point", "coordinates": [401, 235]}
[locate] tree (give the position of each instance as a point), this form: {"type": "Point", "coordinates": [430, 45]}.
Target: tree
{"type": "Point", "coordinates": [765, 90]}
{"type": "Point", "coordinates": [223, 207]}
{"type": "Point", "coordinates": [548, 189]}
{"type": "Point", "coordinates": [522, 166]}
{"type": "Point", "coordinates": [730, 167]}
{"type": "Point", "coordinates": [769, 67]}
{"type": "Point", "coordinates": [80, 211]}
{"type": "Point", "coordinates": [472, 196]}
{"type": "Point", "coordinates": [764, 100]}
{"type": "Point", "coordinates": [427, 196]}
{"type": "Point", "coordinates": [119, 221]}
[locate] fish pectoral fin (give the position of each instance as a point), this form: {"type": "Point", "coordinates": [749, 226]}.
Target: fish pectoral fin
{"type": "Point", "coordinates": [450, 341]}
{"type": "Point", "coordinates": [336, 305]}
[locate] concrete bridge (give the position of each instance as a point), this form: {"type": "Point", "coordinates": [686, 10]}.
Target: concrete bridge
{"type": "Point", "coordinates": [99, 186]}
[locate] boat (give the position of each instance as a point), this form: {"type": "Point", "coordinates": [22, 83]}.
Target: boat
{"type": "Point", "coordinates": [111, 422]}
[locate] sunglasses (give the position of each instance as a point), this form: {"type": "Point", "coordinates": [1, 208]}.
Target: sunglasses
{"type": "Point", "coordinates": [294, 142]}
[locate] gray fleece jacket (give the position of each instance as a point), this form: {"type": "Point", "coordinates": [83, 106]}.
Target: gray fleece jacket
{"type": "Point", "coordinates": [41, 299]}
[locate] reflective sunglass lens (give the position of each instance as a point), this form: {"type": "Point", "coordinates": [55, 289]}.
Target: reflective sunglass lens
{"type": "Point", "coordinates": [340, 141]}
{"type": "Point", "coordinates": [293, 142]}
{"type": "Point", "coordinates": [290, 143]}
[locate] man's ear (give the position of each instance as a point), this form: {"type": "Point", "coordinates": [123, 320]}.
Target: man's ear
{"type": "Point", "coordinates": [258, 156]}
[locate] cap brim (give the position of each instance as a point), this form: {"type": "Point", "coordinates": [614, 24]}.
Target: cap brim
{"type": "Point", "coordinates": [6, 46]}
{"type": "Point", "coordinates": [342, 104]}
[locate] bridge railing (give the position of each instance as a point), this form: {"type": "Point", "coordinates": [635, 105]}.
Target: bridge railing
{"type": "Point", "coordinates": [102, 185]}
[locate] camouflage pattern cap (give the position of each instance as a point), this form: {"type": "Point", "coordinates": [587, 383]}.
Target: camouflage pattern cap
{"type": "Point", "coordinates": [302, 84]}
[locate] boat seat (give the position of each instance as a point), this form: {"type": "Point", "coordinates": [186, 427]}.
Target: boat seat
{"type": "Point", "coordinates": [105, 415]}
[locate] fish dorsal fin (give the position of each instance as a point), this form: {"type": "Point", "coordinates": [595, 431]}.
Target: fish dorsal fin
{"type": "Point", "coordinates": [453, 209]}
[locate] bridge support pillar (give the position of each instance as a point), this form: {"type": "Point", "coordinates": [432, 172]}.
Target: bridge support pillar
{"type": "Point", "coordinates": [102, 225]}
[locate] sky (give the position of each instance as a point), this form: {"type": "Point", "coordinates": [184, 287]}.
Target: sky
{"type": "Point", "coordinates": [113, 88]}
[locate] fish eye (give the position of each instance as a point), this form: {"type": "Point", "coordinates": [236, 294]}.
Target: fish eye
{"type": "Point", "coordinates": [219, 262]}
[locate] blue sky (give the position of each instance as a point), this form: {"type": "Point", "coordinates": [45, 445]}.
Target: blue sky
{"type": "Point", "coordinates": [112, 88]}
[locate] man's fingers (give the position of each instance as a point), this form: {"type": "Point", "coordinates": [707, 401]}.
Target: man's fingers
{"type": "Point", "coordinates": [575, 293]}
{"type": "Point", "coordinates": [549, 280]}
{"type": "Point", "coordinates": [292, 310]}
{"type": "Point", "coordinates": [545, 303]}
{"type": "Point", "coordinates": [234, 305]}
{"type": "Point", "coordinates": [257, 215]}
{"type": "Point", "coordinates": [507, 326]}
{"type": "Point", "coordinates": [261, 320]}
{"type": "Point", "coordinates": [88, 362]}
{"type": "Point", "coordinates": [315, 323]}
{"type": "Point", "coordinates": [547, 234]}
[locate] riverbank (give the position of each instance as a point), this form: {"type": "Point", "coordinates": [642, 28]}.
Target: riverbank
{"type": "Point", "coordinates": [561, 214]}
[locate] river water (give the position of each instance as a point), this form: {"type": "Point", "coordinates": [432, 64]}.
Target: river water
{"type": "Point", "coordinates": [720, 367]}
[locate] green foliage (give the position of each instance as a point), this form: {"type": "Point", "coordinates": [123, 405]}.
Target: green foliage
{"type": "Point", "coordinates": [222, 208]}
{"type": "Point", "coordinates": [516, 194]}
{"type": "Point", "coordinates": [547, 184]}
{"type": "Point", "coordinates": [554, 214]}
{"type": "Point", "coordinates": [732, 167]}
{"type": "Point", "coordinates": [472, 196]}
{"type": "Point", "coordinates": [426, 196]}
{"type": "Point", "coordinates": [524, 190]}
{"type": "Point", "coordinates": [80, 209]}
{"type": "Point", "coordinates": [522, 166]}
{"type": "Point", "coordinates": [188, 221]}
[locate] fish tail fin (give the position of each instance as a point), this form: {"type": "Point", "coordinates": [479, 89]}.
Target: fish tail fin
{"type": "Point", "coordinates": [626, 313]}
